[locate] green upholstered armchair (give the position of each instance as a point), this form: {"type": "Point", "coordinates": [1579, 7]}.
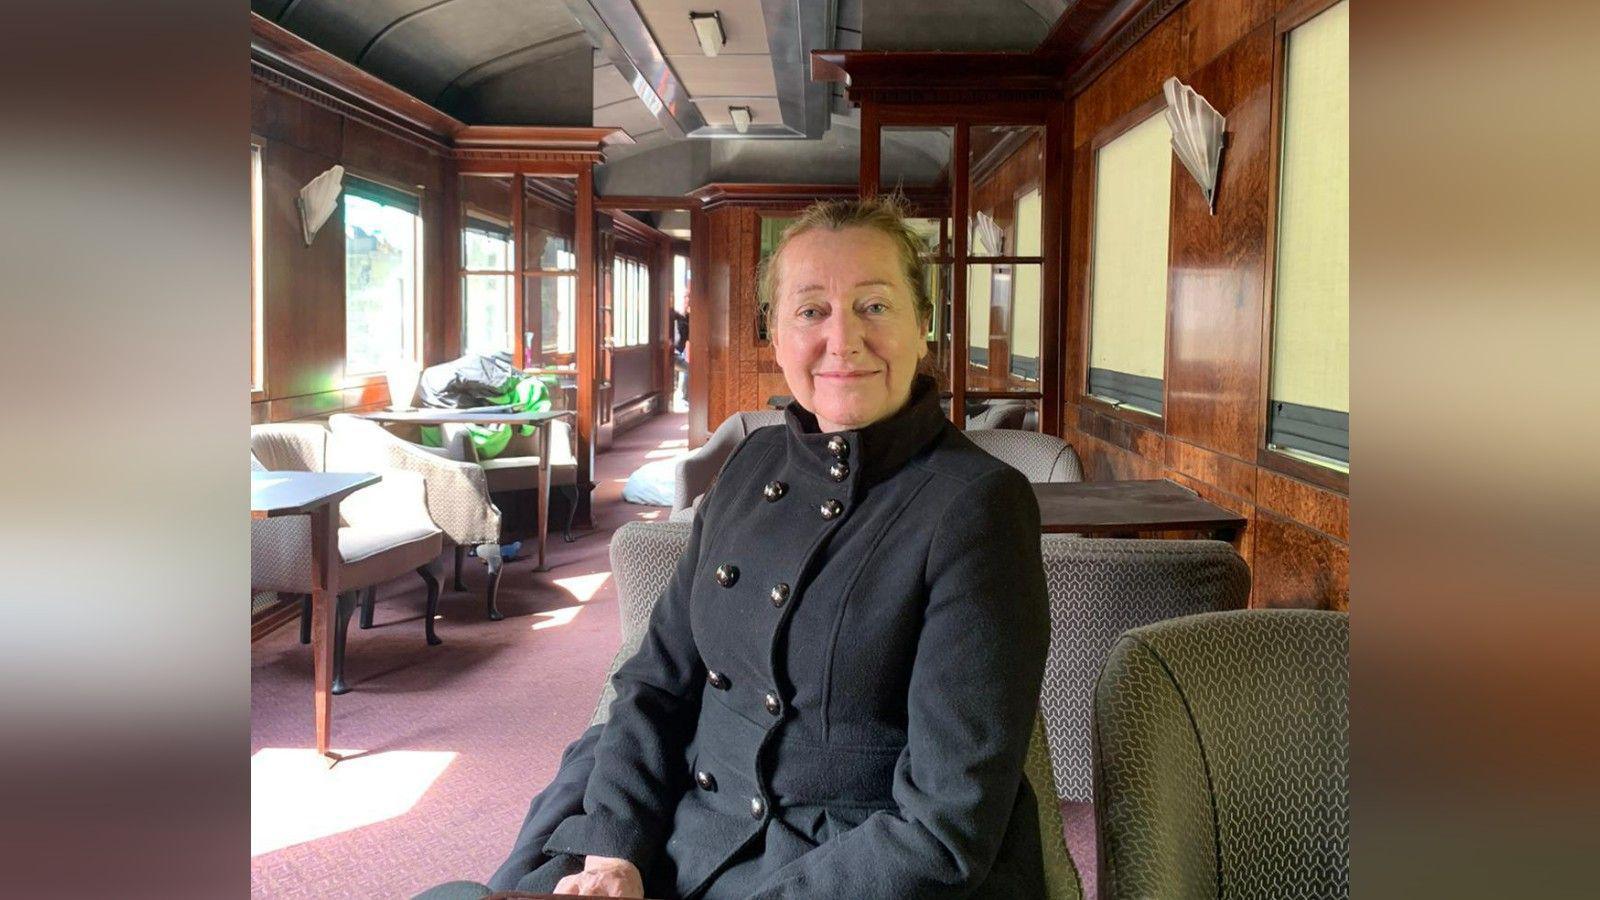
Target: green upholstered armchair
{"type": "Point", "coordinates": [1221, 758]}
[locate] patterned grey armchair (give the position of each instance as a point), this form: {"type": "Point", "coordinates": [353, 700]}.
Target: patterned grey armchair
{"type": "Point", "coordinates": [697, 470]}
{"type": "Point", "coordinates": [1222, 758]}
{"type": "Point", "coordinates": [643, 557]}
{"type": "Point", "coordinates": [384, 531]}
{"type": "Point", "coordinates": [457, 492]}
{"type": "Point", "coordinates": [1099, 588]}
{"type": "Point", "coordinates": [1041, 457]}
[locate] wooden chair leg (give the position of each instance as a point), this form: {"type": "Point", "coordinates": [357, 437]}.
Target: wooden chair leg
{"type": "Point", "coordinates": [491, 555]}
{"type": "Point", "coordinates": [432, 581]}
{"type": "Point", "coordinates": [461, 558]}
{"type": "Point", "coordinates": [305, 618]}
{"type": "Point", "coordinates": [369, 599]}
{"type": "Point", "coordinates": [341, 630]}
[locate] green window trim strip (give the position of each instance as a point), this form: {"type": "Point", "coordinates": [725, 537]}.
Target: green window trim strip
{"type": "Point", "coordinates": [1310, 429]}
{"type": "Point", "coordinates": [1139, 392]}
{"type": "Point", "coordinates": [378, 193]}
{"type": "Point", "coordinates": [493, 229]}
{"type": "Point", "coordinates": [1025, 367]}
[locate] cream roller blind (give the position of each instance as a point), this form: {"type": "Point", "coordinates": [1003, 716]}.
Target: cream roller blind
{"type": "Point", "coordinates": [1128, 278]}
{"type": "Point", "coordinates": [1311, 298]}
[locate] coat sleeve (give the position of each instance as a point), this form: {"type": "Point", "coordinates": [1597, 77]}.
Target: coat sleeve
{"type": "Point", "coordinates": [973, 694]}
{"type": "Point", "coordinates": [639, 770]}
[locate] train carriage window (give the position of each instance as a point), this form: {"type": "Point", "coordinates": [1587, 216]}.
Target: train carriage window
{"type": "Point", "coordinates": [486, 285]}
{"type": "Point", "coordinates": [1309, 411]}
{"type": "Point", "coordinates": [1128, 269]}
{"type": "Point", "coordinates": [382, 274]}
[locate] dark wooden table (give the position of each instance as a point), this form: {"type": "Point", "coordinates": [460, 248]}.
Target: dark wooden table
{"type": "Point", "coordinates": [1122, 508]}
{"type": "Point", "coordinates": [540, 420]}
{"type": "Point", "coordinates": [314, 494]}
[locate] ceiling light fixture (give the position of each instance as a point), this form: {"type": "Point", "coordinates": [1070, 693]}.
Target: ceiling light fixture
{"type": "Point", "coordinates": [708, 28]}
{"type": "Point", "coordinates": [741, 118]}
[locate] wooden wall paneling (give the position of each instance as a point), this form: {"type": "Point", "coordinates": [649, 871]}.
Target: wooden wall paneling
{"type": "Point", "coordinates": [744, 324]}
{"type": "Point", "coordinates": [871, 149]}
{"type": "Point", "coordinates": [1229, 474]}
{"type": "Point", "coordinates": [443, 340]}
{"type": "Point", "coordinates": [1322, 510]}
{"type": "Point", "coordinates": [586, 337]}
{"type": "Point", "coordinates": [960, 318]}
{"type": "Point", "coordinates": [661, 285]}
{"type": "Point", "coordinates": [699, 381]}
{"type": "Point", "coordinates": [1215, 286]}
{"type": "Point", "coordinates": [1056, 202]}
{"type": "Point", "coordinates": [1294, 566]}
{"type": "Point", "coordinates": [1076, 283]}
{"type": "Point", "coordinates": [281, 117]}
{"type": "Point", "coordinates": [1212, 26]}
{"type": "Point", "coordinates": [303, 287]}
{"type": "Point", "coordinates": [519, 267]}
{"type": "Point", "coordinates": [1136, 75]}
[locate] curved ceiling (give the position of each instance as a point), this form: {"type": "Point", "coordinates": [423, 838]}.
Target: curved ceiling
{"type": "Point", "coordinates": [558, 62]}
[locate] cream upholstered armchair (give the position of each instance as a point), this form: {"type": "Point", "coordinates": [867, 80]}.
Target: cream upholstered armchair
{"type": "Point", "coordinates": [696, 471]}
{"type": "Point", "coordinates": [456, 492]}
{"type": "Point", "coordinates": [1041, 457]}
{"type": "Point", "coordinates": [384, 531]}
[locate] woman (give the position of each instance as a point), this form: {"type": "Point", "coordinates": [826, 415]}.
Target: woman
{"type": "Point", "coordinates": [835, 693]}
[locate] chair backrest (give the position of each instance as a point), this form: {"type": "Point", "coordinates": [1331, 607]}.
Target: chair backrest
{"type": "Point", "coordinates": [1099, 588]}
{"type": "Point", "coordinates": [696, 471]}
{"type": "Point", "coordinates": [290, 446]}
{"type": "Point", "coordinates": [998, 414]}
{"type": "Point", "coordinates": [1222, 765]}
{"type": "Point", "coordinates": [1040, 457]}
{"type": "Point", "coordinates": [643, 557]}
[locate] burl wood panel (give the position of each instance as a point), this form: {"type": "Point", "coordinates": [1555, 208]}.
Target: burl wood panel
{"type": "Point", "coordinates": [1216, 282]}
{"type": "Point", "coordinates": [1295, 566]}
{"type": "Point", "coordinates": [1211, 26]}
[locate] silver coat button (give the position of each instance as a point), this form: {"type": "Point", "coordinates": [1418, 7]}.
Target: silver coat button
{"type": "Point", "coordinates": [757, 808]}
{"type": "Point", "coordinates": [705, 781]}
{"type": "Point", "coordinates": [717, 679]}
{"type": "Point", "coordinates": [838, 446]}
{"type": "Point", "coordinates": [780, 595]}
{"type": "Point", "coordinates": [774, 705]}
{"type": "Point", "coordinates": [838, 471]}
{"type": "Point", "coordinates": [727, 574]}
{"type": "Point", "coordinates": [774, 491]}
{"type": "Point", "coordinates": [830, 509]}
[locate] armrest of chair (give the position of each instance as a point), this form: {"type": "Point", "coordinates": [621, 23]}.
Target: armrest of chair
{"type": "Point", "coordinates": [1067, 466]}
{"type": "Point", "coordinates": [455, 493]}
{"type": "Point", "coordinates": [400, 499]}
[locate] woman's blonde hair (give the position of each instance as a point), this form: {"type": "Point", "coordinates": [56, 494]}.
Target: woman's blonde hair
{"type": "Point", "coordinates": [885, 214]}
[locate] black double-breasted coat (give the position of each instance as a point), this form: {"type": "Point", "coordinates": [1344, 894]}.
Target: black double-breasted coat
{"type": "Point", "coordinates": [836, 689]}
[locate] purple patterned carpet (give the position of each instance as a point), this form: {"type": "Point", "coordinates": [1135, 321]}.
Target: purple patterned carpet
{"type": "Point", "coordinates": [455, 739]}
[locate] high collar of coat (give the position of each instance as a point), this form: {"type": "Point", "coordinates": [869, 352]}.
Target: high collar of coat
{"type": "Point", "coordinates": [875, 451]}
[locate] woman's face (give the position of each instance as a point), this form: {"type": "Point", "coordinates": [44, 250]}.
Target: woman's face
{"type": "Point", "coordinates": [845, 326]}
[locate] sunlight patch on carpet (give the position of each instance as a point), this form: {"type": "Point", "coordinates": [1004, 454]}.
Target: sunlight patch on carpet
{"type": "Point", "coordinates": [296, 797]}
{"type": "Point", "coordinates": [555, 618]}
{"type": "Point", "coordinates": [583, 587]}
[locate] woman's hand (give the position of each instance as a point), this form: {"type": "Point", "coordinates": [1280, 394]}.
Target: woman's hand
{"type": "Point", "coordinates": [604, 876]}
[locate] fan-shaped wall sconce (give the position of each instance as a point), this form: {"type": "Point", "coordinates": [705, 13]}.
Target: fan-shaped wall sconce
{"type": "Point", "coordinates": [318, 200]}
{"type": "Point", "coordinates": [1197, 135]}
